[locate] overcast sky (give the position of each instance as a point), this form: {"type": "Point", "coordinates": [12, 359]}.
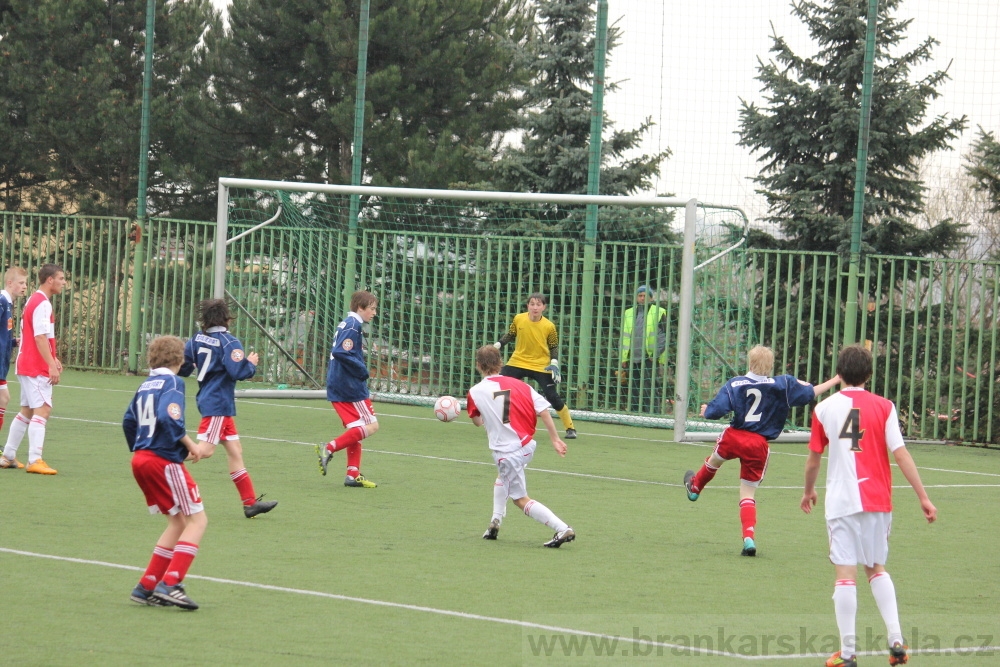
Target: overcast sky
{"type": "Point", "coordinates": [688, 64]}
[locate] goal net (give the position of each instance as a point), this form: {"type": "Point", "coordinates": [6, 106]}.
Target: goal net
{"type": "Point", "coordinates": [451, 268]}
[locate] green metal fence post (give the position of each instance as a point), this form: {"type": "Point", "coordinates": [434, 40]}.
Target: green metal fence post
{"type": "Point", "coordinates": [350, 266]}
{"type": "Point", "coordinates": [850, 317]}
{"type": "Point", "coordinates": [138, 273]}
{"type": "Point", "coordinates": [593, 188]}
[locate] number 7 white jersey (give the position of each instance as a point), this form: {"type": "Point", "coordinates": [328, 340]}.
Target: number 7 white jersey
{"type": "Point", "coordinates": [860, 429]}
{"type": "Point", "coordinates": [509, 409]}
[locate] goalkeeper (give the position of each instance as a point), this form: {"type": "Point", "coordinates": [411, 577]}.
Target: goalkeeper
{"type": "Point", "coordinates": [536, 343]}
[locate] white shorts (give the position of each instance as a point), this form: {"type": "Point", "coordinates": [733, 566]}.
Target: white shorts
{"type": "Point", "coordinates": [860, 538]}
{"type": "Point", "coordinates": [510, 470]}
{"type": "Point", "coordinates": [35, 391]}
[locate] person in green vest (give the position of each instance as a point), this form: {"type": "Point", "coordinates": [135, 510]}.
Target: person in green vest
{"type": "Point", "coordinates": [643, 349]}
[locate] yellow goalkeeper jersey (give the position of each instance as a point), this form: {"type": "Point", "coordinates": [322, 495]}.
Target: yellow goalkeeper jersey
{"type": "Point", "coordinates": [532, 342]}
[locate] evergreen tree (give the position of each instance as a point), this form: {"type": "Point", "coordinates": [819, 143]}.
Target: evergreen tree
{"type": "Point", "coordinates": [71, 94]}
{"type": "Point", "coordinates": [554, 154]}
{"type": "Point", "coordinates": [441, 82]}
{"type": "Point", "coordinates": [807, 134]}
{"type": "Point", "coordinates": [984, 167]}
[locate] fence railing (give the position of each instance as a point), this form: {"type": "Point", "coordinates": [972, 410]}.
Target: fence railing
{"type": "Point", "coordinates": [931, 323]}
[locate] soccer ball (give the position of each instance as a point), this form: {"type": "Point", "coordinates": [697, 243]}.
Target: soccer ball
{"type": "Point", "coordinates": [446, 408]}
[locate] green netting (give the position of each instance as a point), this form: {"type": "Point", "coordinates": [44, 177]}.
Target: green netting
{"type": "Point", "coordinates": [451, 274]}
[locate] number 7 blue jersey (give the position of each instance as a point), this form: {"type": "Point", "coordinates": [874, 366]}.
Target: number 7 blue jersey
{"type": "Point", "coordinates": [217, 358]}
{"type": "Point", "coordinates": [760, 404]}
{"type": "Point", "coordinates": [154, 419]}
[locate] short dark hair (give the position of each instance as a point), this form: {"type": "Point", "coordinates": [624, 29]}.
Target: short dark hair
{"type": "Point", "coordinates": [362, 299]}
{"type": "Point", "coordinates": [165, 351]}
{"type": "Point", "coordinates": [537, 296]}
{"type": "Point", "coordinates": [488, 360]}
{"type": "Point", "coordinates": [854, 365]}
{"type": "Point", "coordinates": [214, 313]}
{"type": "Point", "coordinates": [47, 271]}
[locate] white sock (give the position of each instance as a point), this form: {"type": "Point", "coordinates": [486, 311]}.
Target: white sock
{"type": "Point", "coordinates": [499, 500]}
{"type": "Point", "coordinates": [543, 514]}
{"type": "Point", "coordinates": [885, 597]}
{"type": "Point", "coordinates": [845, 605]}
{"type": "Point", "coordinates": [18, 427]}
{"type": "Point", "coordinates": [36, 438]}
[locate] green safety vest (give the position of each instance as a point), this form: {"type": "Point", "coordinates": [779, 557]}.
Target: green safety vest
{"type": "Point", "coordinates": [653, 316]}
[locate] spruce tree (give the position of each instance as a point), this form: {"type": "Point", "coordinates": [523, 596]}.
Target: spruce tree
{"type": "Point", "coordinates": [555, 140]}
{"type": "Point", "coordinates": [983, 164]}
{"type": "Point", "coordinates": [441, 82]}
{"type": "Point", "coordinates": [807, 133]}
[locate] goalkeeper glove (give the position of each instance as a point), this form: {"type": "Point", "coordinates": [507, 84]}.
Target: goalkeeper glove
{"type": "Point", "coordinates": [497, 345]}
{"type": "Point", "coordinates": [553, 368]}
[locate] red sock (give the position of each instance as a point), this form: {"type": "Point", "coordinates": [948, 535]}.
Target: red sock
{"type": "Point", "coordinates": [748, 516]}
{"type": "Point", "coordinates": [241, 478]}
{"type": "Point", "coordinates": [354, 459]}
{"type": "Point", "coordinates": [3, 411]}
{"type": "Point", "coordinates": [704, 476]}
{"type": "Point", "coordinates": [184, 554]}
{"type": "Point", "coordinates": [349, 437]}
{"type": "Point", "coordinates": [158, 565]}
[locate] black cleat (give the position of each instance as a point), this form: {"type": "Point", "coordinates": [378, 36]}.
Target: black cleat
{"type": "Point", "coordinates": [259, 507]}
{"type": "Point", "coordinates": [324, 455]}
{"type": "Point", "coordinates": [566, 535]}
{"type": "Point", "coordinates": [749, 547]}
{"type": "Point", "coordinates": [493, 530]}
{"type": "Point", "coordinates": [142, 596]}
{"type": "Point", "coordinates": [174, 595]}
{"type": "Point", "coordinates": [570, 434]}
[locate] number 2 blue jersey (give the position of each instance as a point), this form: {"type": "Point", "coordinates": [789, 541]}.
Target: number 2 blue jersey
{"type": "Point", "coordinates": [154, 419]}
{"type": "Point", "coordinates": [217, 357]}
{"type": "Point", "coordinates": [6, 333]}
{"type": "Point", "coordinates": [759, 404]}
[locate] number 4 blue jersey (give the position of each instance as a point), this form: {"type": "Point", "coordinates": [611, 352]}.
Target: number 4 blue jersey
{"type": "Point", "coordinates": [154, 419]}
{"type": "Point", "coordinates": [217, 358]}
{"type": "Point", "coordinates": [760, 404]}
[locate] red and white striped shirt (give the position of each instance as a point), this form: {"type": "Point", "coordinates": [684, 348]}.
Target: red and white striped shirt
{"type": "Point", "coordinates": [509, 409]}
{"type": "Point", "coordinates": [861, 429]}
{"type": "Point", "coordinates": [36, 320]}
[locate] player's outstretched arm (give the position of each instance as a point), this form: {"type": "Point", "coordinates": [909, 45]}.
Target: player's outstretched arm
{"type": "Point", "coordinates": [550, 426]}
{"type": "Point", "coordinates": [826, 386]}
{"type": "Point", "coordinates": [504, 339]}
{"type": "Point", "coordinates": [909, 470]}
{"type": "Point", "coordinates": [812, 472]}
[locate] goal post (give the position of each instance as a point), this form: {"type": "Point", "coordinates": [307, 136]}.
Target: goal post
{"type": "Point", "coordinates": [452, 267]}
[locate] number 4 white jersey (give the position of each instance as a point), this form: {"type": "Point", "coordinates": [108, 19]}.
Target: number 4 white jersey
{"type": "Point", "coordinates": [509, 409]}
{"type": "Point", "coordinates": [861, 429]}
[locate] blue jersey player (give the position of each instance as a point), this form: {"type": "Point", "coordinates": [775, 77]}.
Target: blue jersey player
{"type": "Point", "coordinates": [154, 431]}
{"type": "Point", "coordinates": [347, 390]}
{"type": "Point", "coordinates": [760, 406]}
{"type": "Point", "coordinates": [15, 285]}
{"type": "Point", "coordinates": [218, 358]}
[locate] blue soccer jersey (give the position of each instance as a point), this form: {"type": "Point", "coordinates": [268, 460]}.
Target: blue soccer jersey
{"type": "Point", "coordinates": [218, 359]}
{"type": "Point", "coordinates": [347, 374]}
{"type": "Point", "coordinates": [759, 404]}
{"type": "Point", "coordinates": [154, 419]}
{"type": "Point", "coordinates": [6, 333]}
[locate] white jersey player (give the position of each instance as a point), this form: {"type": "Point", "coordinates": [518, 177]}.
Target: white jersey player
{"type": "Point", "coordinates": [509, 410]}
{"type": "Point", "coordinates": [860, 429]}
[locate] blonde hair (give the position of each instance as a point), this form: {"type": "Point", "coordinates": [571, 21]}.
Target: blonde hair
{"type": "Point", "coordinates": [165, 352]}
{"type": "Point", "coordinates": [760, 360]}
{"type": "Point", "coordinates": [13, 273]}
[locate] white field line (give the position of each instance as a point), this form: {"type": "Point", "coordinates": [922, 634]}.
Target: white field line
{"type": "Point", "coordinates": [477, 617]}
{"type": "Point", "coordinates": [546, 470]}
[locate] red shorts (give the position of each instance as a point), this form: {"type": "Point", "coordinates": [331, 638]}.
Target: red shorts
{"type": "Point", "coordinates": [750, 448]}
{"type": "Point", "coordinates": [357, 413]}
{"type": "Point", "coordinates": [217, 429]}
{"type": "Point", "coordinates": [3, 383]}
{"type": "Point", "coordinates": [168, 487]}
